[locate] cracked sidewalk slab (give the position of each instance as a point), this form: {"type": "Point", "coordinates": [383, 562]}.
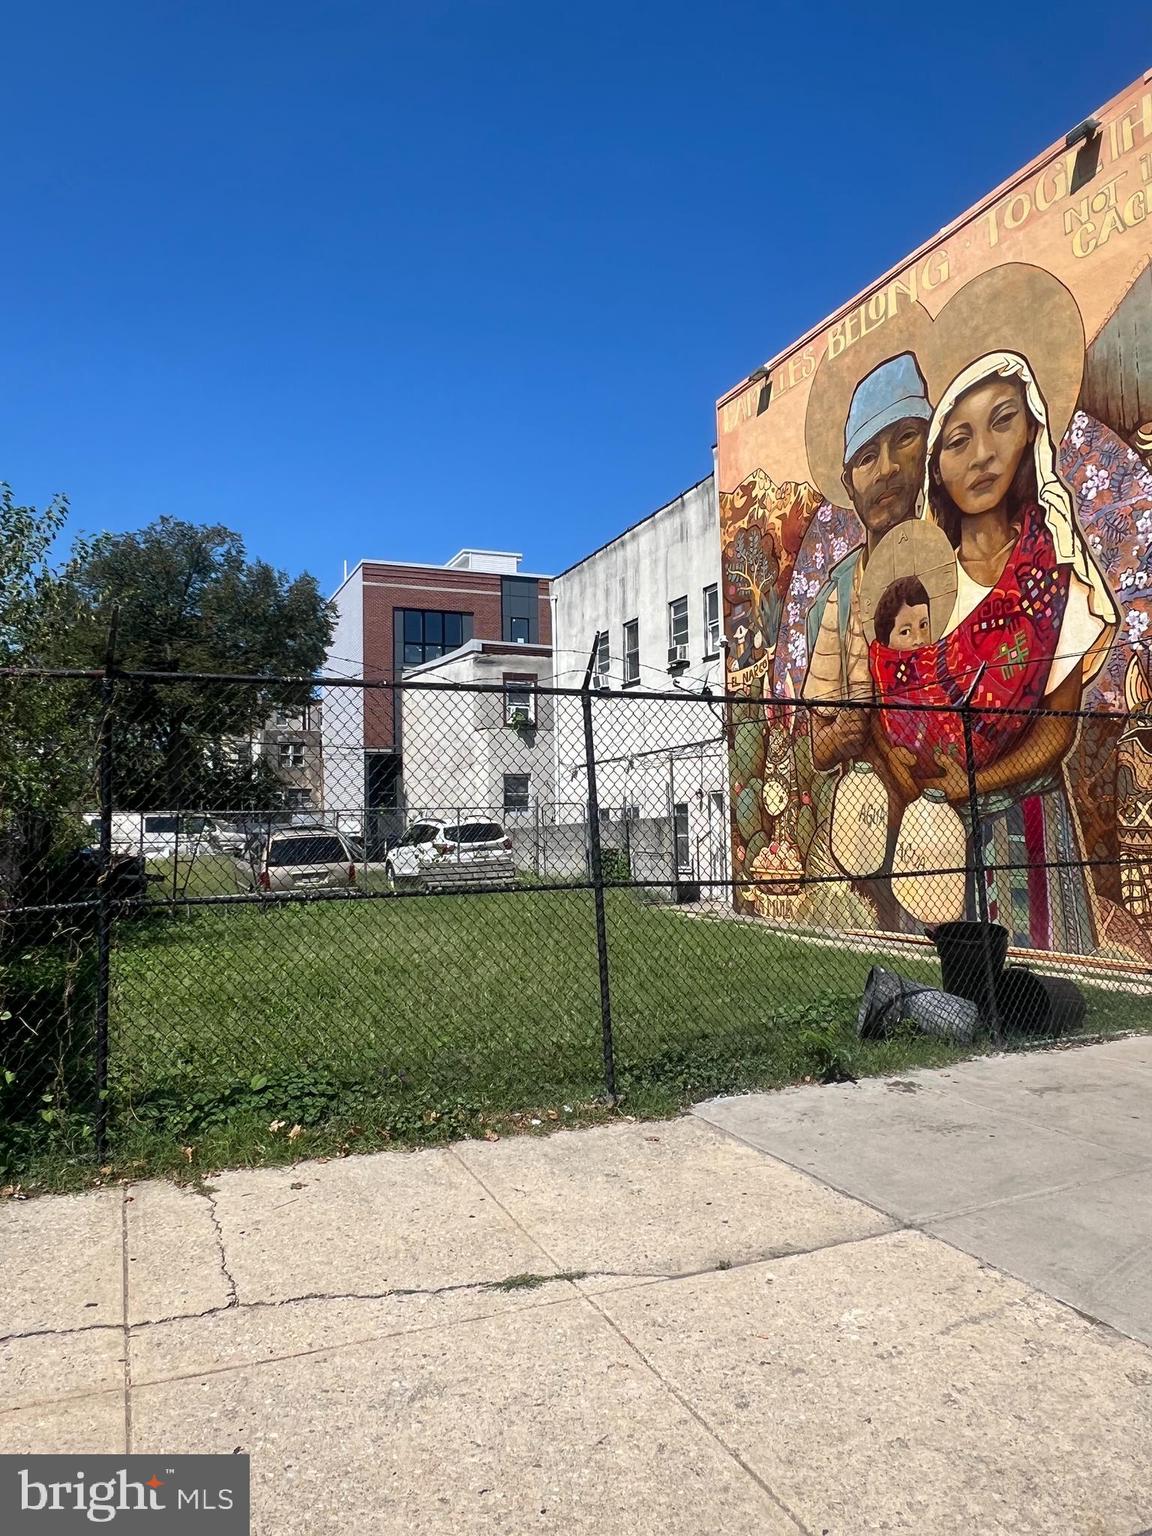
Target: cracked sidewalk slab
{"type": "Point", "coordinates": [660, 1198]}
{"type": "Point", "coordinates": [367, 1224]}
{"type": "Point", "coordinates": [255, 1333]}
{"type": "Point", "coordinates": [175, 1257]}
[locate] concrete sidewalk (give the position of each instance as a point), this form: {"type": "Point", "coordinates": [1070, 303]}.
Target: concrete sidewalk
{"type": "Point", "coordinates": [776, 1316]}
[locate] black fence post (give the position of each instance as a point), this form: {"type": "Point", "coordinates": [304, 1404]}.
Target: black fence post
{"type": "Point", "coordinates": [977, 857]}
{"type": "Point", "coordinates": [104, 909]}
{"type": "Point", "coordinates": [598, 879]}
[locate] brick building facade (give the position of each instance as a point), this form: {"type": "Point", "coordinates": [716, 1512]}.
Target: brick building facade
{"type": "Point", "coordinates": [391, 617]}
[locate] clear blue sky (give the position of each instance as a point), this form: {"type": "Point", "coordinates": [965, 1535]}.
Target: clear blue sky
{"type": "Point", "coordinates": [377, 279]}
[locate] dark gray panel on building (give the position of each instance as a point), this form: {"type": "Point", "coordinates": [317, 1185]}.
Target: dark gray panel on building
{"type": "Point", "coordinates": [520, 602]}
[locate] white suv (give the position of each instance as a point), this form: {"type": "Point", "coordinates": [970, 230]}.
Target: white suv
{"type": "Point", "coordinates": [431, 844]}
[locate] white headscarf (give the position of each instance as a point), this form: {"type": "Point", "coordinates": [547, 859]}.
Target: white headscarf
{"type": "Point", "coordinates": [1056, 502]}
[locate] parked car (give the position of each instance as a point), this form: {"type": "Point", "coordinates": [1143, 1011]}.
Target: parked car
{"type": "Point", "coordinates": [227, 834]}
{"type": "Point", "coordinates": [298, 858]}
{"type": "Point", "coordinates": [154, 834]}
{"type": "Point", "coordinates": [428, 844]}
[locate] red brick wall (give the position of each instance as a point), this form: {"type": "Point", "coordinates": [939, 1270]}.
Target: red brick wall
{"type": "Point", "coordinates": [387, 587]}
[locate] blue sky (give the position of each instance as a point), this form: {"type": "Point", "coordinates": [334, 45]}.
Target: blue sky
{"type": "Point", "coordinates": [370, 279]}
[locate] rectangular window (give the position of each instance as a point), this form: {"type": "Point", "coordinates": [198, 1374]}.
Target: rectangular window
{"type": "Point", "coordinates": [429, 633]}
{"type": "Point", "coordinates": [680, 831]}
{"type": "Point", "coordinates": [712, 620]}
{"type": "Point", "coordinates": [519, 700]}
{"type": "Point", "coordinates": [518, 630]}
{"type": "Point", "coordinates": [291, 754]}
{"type": "Point", "coordinates": [603, 660]}
{"type": "Point", "coordinates": [677, 631]}
{"type": "Point", "coordinates": [632, 651]}
{"type": "Point", "coordinates": [306, 850]}
{"type": "Point", "coordinates": [516, 791]}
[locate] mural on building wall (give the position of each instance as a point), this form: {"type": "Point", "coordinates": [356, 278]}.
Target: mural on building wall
{"type": "Point", "coordinates": [950, 488]}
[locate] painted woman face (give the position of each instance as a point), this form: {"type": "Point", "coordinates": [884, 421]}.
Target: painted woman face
{"type": "Point", "coordinates": [985, 436]}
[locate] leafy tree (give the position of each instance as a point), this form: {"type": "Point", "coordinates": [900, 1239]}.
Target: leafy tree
{"type": "Point", "coordinates": [190, 600]}
{"type": "Point", "coordinates": [47, 757]}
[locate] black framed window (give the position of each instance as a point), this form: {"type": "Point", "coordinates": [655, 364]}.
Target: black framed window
{"type": "Point", "coordinates": [429, 633]}
{"type": "Point", "coordinates": [519, 631]}
{"type": "Point", "coordinates": [681, 833]}
{"type": "Point", "coordinates": [516, 791]}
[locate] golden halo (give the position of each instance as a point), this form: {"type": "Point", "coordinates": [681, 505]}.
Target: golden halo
{"type": "Point", "coordinates": [1013, 308]}
{"type": "Point", "coordinates": [835, 382]}
{"type": "Point", "coordinates": [914, 548]}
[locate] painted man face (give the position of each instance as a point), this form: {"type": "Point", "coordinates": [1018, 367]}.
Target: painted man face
{"type": "Point", "coordinates": [885, 477]}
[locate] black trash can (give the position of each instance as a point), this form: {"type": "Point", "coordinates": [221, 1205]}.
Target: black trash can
{"type": "Point", "coordinates": [966, 950]}
{"type": "Point", "coordinates": [1031, 1005]}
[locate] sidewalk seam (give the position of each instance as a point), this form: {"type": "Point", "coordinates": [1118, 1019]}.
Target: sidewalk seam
{"type": "Point", "coordinates": [127, 1329]}
{"type": "Point", "coordinates": [704, 1424]}
{"type": "Point", "coordinates": [589, 1299]}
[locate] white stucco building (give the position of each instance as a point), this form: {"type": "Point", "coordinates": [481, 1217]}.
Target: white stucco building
{"type": "Point", "coordinates": [483, 755]}
{"type": "Point", "coordinates": [653, 596]}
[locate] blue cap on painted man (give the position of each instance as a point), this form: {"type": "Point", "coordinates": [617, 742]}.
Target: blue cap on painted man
{"type": "Point", "coordinates": [892, 392]}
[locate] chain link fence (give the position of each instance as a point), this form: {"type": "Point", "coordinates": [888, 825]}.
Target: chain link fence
{"type": "Point", "coordinates": [408, 900]}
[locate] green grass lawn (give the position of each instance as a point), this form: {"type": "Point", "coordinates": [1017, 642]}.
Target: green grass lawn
{"type": "Point", "coordinates": [427, 1017]}
{"type": "Point", "coordinates": [500, 990]}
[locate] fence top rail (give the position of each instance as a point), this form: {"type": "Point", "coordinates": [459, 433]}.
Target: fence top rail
{"type": "Point", "coordinates": [604, 697]}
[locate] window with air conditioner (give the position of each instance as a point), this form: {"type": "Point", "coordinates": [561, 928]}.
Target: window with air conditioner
{"type": "Point", "coordinates": [678, 632]}
{"type": "Point", "coordinates": [712, 620]}
{"type": "Point", "coordinates": [519, 700]}
{"type": "Point", "coordinates": [632, 651]}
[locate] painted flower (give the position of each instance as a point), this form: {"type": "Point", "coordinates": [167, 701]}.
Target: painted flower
{"type": "Point", "coordinates": [839, 548]}
{"type": "Point", "coordinates": [1126, 579]}
{"type": "Point", "coordinates": [1097, 481]}
{"type": "Point", "coordinates": [1137, 622]}
{"type": "Point", "coordinates": [793, 613]}
{"type": "Point", "coordinates": [825, 513]}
